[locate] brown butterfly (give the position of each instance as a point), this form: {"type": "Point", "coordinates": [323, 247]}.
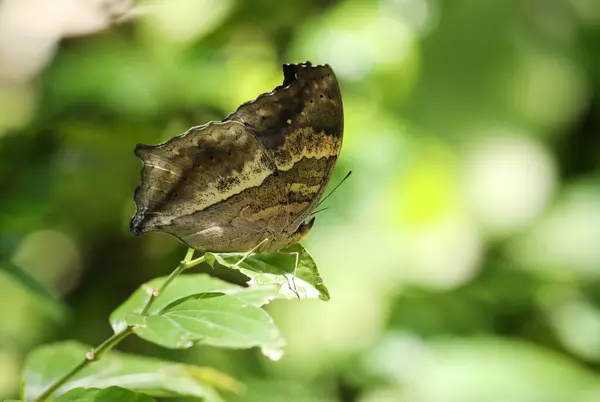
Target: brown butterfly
{"type": "Point", "coordinates": [248, 182]}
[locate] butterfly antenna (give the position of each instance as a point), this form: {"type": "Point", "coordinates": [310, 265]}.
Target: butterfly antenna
{"type": "Point", "coordinates": [317, 211]}
{"type": "Point", "coordinates": [335, 188]}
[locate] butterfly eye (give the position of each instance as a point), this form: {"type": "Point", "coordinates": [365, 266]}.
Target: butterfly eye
{"type": "Point", "coordinates": [321, 96]}
{"type": "Point", "coordinates": [229, 153]}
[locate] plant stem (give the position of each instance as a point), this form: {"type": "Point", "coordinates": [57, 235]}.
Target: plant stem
{"type": "Point", "coordinates": [96, 353]}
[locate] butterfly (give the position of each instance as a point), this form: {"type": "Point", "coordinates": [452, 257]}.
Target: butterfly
{"type": "Point", "coordinates": [250, 181]}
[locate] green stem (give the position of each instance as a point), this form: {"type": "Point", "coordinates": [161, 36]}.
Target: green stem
{"type": "Point", "coordinates": [96, 353]}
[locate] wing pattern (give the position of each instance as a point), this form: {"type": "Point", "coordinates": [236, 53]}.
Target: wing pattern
{"type": "Point", "coordinates": [226, 186]}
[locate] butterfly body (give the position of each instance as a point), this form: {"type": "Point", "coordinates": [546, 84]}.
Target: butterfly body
{"type": "Point", "coordinates": [252, 178]}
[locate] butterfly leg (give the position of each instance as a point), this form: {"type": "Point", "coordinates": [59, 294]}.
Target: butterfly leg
{"type": "Point", "coordinates": [292, 286]}
{"type": "Point", "coordinates": [249, 253]}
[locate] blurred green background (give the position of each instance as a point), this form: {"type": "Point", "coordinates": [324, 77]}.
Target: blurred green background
{"type": "Point", "coordinates": [463, 255]}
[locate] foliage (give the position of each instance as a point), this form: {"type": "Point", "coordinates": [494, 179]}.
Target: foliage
{"type": "Point", "coordinates": [152, 376]}
{"type": "Point", "coordinates": [175, 312]}
{"type": "Point", "coordinates": [106, 395]}
{"type": "Point", "coordinates": [462, 255]}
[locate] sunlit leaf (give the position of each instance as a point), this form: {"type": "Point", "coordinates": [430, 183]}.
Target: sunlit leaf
{"type": "Point", "coordinates": [213, 319]}
{"type": "Point", "coordinates": [278, 268]}
{"type": "Point", "coordinates": [111, 394]}
{"type": "Point", "coordinates": [185, 286]}
{"type": "Point", "coordinates": [152, 376]}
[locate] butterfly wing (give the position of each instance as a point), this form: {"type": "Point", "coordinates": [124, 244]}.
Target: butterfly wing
{"type": "Point", "coordinates": [300, 123]}
{"type": "Point", "coordinates": [226, 186]}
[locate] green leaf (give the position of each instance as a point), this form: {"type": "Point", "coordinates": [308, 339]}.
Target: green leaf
{"type": "Point", "coordinates": [186, 286]}
{"type": "Point", "coordinates": [111, 394]}
{"type": "Point", "coordinates": [278, 268]}
{"type": "Point", "coordinates": [155, 377]}
{"type": "Point", "coordinates": [212, 319]}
